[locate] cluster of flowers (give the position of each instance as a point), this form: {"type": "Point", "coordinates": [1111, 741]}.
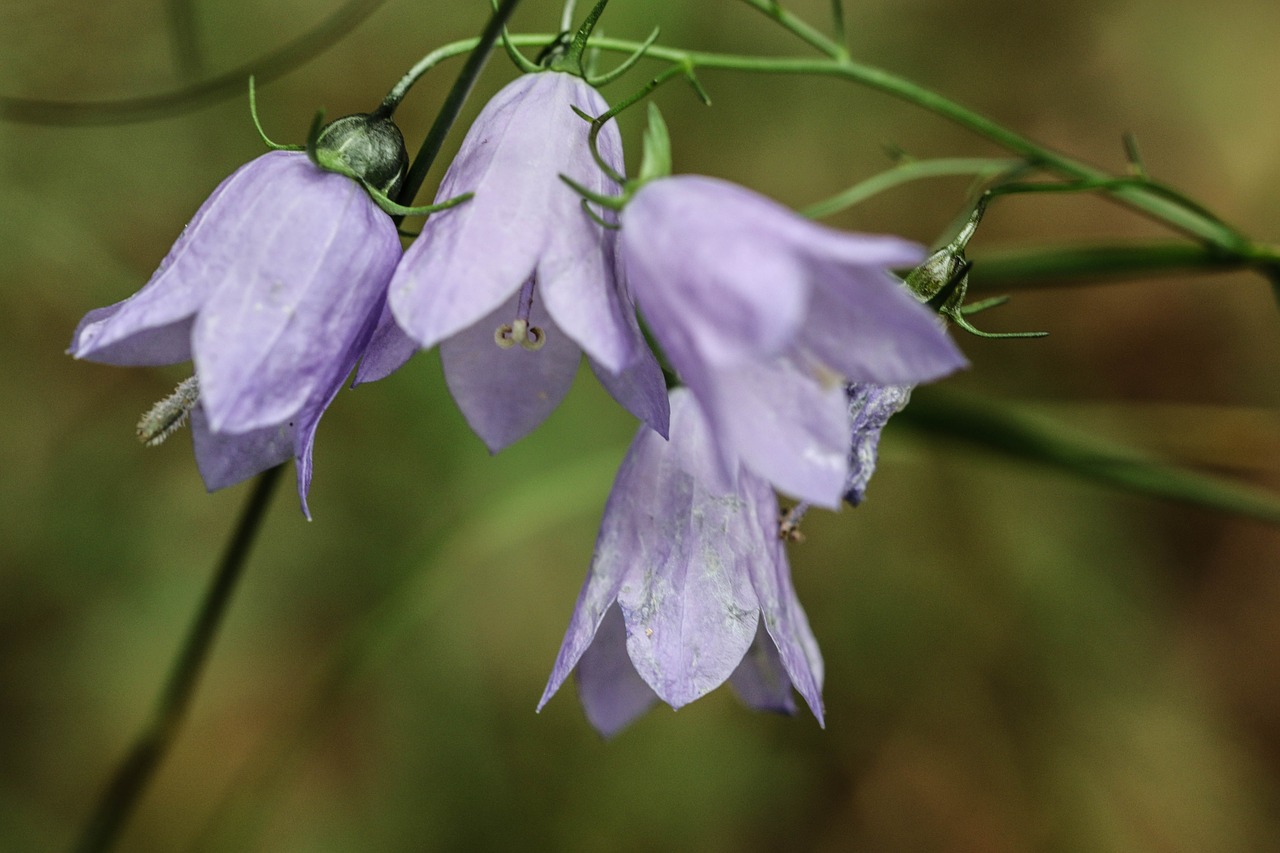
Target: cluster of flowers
{"type": "Point", "coordinates": [792, 342]}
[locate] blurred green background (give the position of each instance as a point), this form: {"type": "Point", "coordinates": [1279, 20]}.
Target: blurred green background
{"type": "Point", "coordinates": [1015, 660]}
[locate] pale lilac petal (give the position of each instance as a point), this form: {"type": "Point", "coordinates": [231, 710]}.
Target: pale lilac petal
{"type": "Point", "coordinates": [388, 350]}
{"type": "Point", "coordinates": [780, 610]}
{"type": "Point", "coordinates": [305, 262]}
{"type": "Point", "coordinates": [782, 424]}
{"type": "Point", "coordinates": [641, 389]}
{"type": "Point", "coordinates": [690, 612]}
{"type": "Point", "coordinates": [153, 326]}
{"type": "Point", "coordinates": [761, 680]}
{"type": "Point", "coordinates": [505, 393]}
{"type": "Point", "coordinates": [470, 258]}
{"type": "Point", "coordinates": [622, 549]}
{"type": "Point", "coordinates": [709, 274]}
{"type": "Point", "coordinates": [225, 459]}
{"type": "Point", "coordinates": [866, 326]}
{"type": "Point", "coordinates": [870, 407]}
{"type": "Point", "coordinates": [613, 695]}
{"type": "Point", "coordinates": [577, 270]}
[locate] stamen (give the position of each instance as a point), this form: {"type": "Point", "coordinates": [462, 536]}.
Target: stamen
{"type": "Point", "coordinates": [170, 414]}
{"type": "Point", "coordinates": [518, 331]}
{"type": "Point", "coordinates": [789, 523]}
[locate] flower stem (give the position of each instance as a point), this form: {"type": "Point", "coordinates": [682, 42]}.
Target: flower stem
{"type": "Point", "coordinates": [132, 775]}
{"type": "Point", "coordinates": [452, 103]}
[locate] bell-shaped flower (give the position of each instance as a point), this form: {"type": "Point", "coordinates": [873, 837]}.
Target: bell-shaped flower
{"type": "Point", "coordinates": [272, 290]}
{"type": "Point", "coordinates": [689, 587]}
{"type": "Point", "coordinates": [519, 281]}
{"type": "Point", "coordinates": [766, 316]}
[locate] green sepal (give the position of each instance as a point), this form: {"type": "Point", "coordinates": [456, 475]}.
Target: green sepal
{"type": "Point", "coordinates": [613, 202]}
{"type": "Point", "coordinates": [656, 160]}
{"type": "Point", "coordinates": [626, 64]}
{"type": "Point", "coordinates": [391, 208]}
{"type": "Point", "coordinates": [253, 113]}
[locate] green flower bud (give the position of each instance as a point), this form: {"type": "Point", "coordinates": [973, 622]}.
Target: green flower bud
{"type": "Point", "coordinates": [367, 147]}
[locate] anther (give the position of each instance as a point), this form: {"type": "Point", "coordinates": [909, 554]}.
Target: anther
{"type": "Point", "coordinates": [170, 414]}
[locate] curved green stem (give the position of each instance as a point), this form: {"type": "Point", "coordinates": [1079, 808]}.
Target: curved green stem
{"type": "Point", "coordinates": [126, 787]}
{"type": "Point", "coordinates": [913, 170]}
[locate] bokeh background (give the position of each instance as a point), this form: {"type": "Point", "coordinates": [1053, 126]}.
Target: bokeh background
{"type": "Point", "coordinates": [1016, 660]}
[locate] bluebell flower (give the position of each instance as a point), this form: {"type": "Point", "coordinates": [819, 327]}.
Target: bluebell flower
{"type": "Point", "coordinates": [689, 587]}
{"type": "Point", "coordinates": [272, 290]}
{"type": "Point", "coordinates": [766, 316]}
{"type": "Point", "coordinates": [518, 282]}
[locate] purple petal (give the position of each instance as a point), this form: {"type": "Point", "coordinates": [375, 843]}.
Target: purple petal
{"type": "Point", "coordinates": [505, 393]}
{"type": "Point", "coordinates": [866, 326]}
{"type": "Point", "coordinates": [780, 610]}
{"type": "Point", "coordinates": [611, 692]}
{"type": "Point", "coordinates": [523, 220]}
{"type": "Point", "coordinates": [689, 608]}
{"type": "Point", "coordinates": [710, 271]}
{"type": "Point", "coordinates": [640, 386]}
{"type": "Point", "coordinates": [153, 326]}
{"type": "Point", "coordinates": [308, 258]}
{"type": "Point", "coordinates": [388, 349]}
{"type": "Point", "coordinates": [621, 549]}
{"type": "Point", "coordinates": [870, 407]}
{"type": "Point", "coordinates": [760, 680]}
{"type": "Point", "coordinates": [783, 424]}
{"type": "Point", "coordinates": [225, 459]}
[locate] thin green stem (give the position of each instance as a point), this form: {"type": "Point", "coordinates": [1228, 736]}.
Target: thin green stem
{"type": "Point", "coordinates": [227, 85]}
{"type": "Point", "coordinates": [453, 102]}
{"type": "Point", "coordinates": [1032, 438]}
{"type": "Point", "coordinates": [913, 170]}
{"type": "Point", "coordinates": [121, 796]}
{"type": "Point", "coordinates": [1148, 199]}
{"type": "Point", "coordinates": [804, 31]}
{"type": "Point", "coordinates": [1050, 266]}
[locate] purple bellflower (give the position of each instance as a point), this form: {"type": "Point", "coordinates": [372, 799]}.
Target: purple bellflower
{"type": "Point", "coordinates": [689, 587]}
{"type": "Point", "coordinates": [519, 281]}
{"type": "Point", "coordinates": [766, 316]}
{"type": "Point", "coordinates": [272, 290]}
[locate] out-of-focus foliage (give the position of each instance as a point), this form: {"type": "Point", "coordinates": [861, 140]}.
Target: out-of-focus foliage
{"type": "Point", "coordinates": [1015, 661]}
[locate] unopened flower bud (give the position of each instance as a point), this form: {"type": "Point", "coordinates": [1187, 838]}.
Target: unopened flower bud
{"type": "Point", "coordinates": [367, 147]}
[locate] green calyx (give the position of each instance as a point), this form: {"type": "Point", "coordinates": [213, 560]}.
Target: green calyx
{"type": "Point", "coordinates": [942, 282]}
{"type": "Point", "coordinates": [367, 147]}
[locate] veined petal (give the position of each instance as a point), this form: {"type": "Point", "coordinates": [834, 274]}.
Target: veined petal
{"type": "Point", "coordinates": [870, 407]}
{"type": "Point", "coordinates": [710, 272]}
{"type": "Point", "coordinates": [761, 680]}
{"type": "Point", "coordinates": [505, 393]}
{"type": "Point", "coordinates": [866, 326]}
{"type": "Point", "coordinates": [311, 260]}
{"type": "Point", "coordinates": [780, 610]}
{"type": "Point", "coordinates": [225, 459]}
{"type": "Point", "coordinates": [622, 550]}
{"type": "Point", "coordinates": [613, 695]}
{"type": "Point", "coordinates": [153, 326]}
{"type": "Point", "coordinates": [688, 606]}
{"type": "Point", "coordinates": [640, 386]}
{"type": "Point", "coordinates": [388, 350]}
{"type": "Point", "coordinates": [784, 424]}
{"type": "Point", "coordinates": [470, 258]}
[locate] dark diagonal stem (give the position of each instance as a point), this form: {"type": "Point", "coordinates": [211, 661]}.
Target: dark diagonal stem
{"type": "Point", "coordinates": [120, 798]}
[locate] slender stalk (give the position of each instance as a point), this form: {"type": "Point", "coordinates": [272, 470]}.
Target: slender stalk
{"type": "Point", "coordinates": [120, 798]}
{"type": "Point", "coordinates": [1046, 266]}
{"type": "Point", "coordinates": [453, 102]}
{"type": "Point", "coordinates": [229, 84]}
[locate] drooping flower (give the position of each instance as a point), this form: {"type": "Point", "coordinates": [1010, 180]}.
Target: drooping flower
{"type": "Point", "coordinates": [689, 587]}
{"type": "Point", "coordinates": [515, 284]}
{"type": "Point", "coordinates": [272, 290]}
{"type": "Point", "coordinates": [766, 316]}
